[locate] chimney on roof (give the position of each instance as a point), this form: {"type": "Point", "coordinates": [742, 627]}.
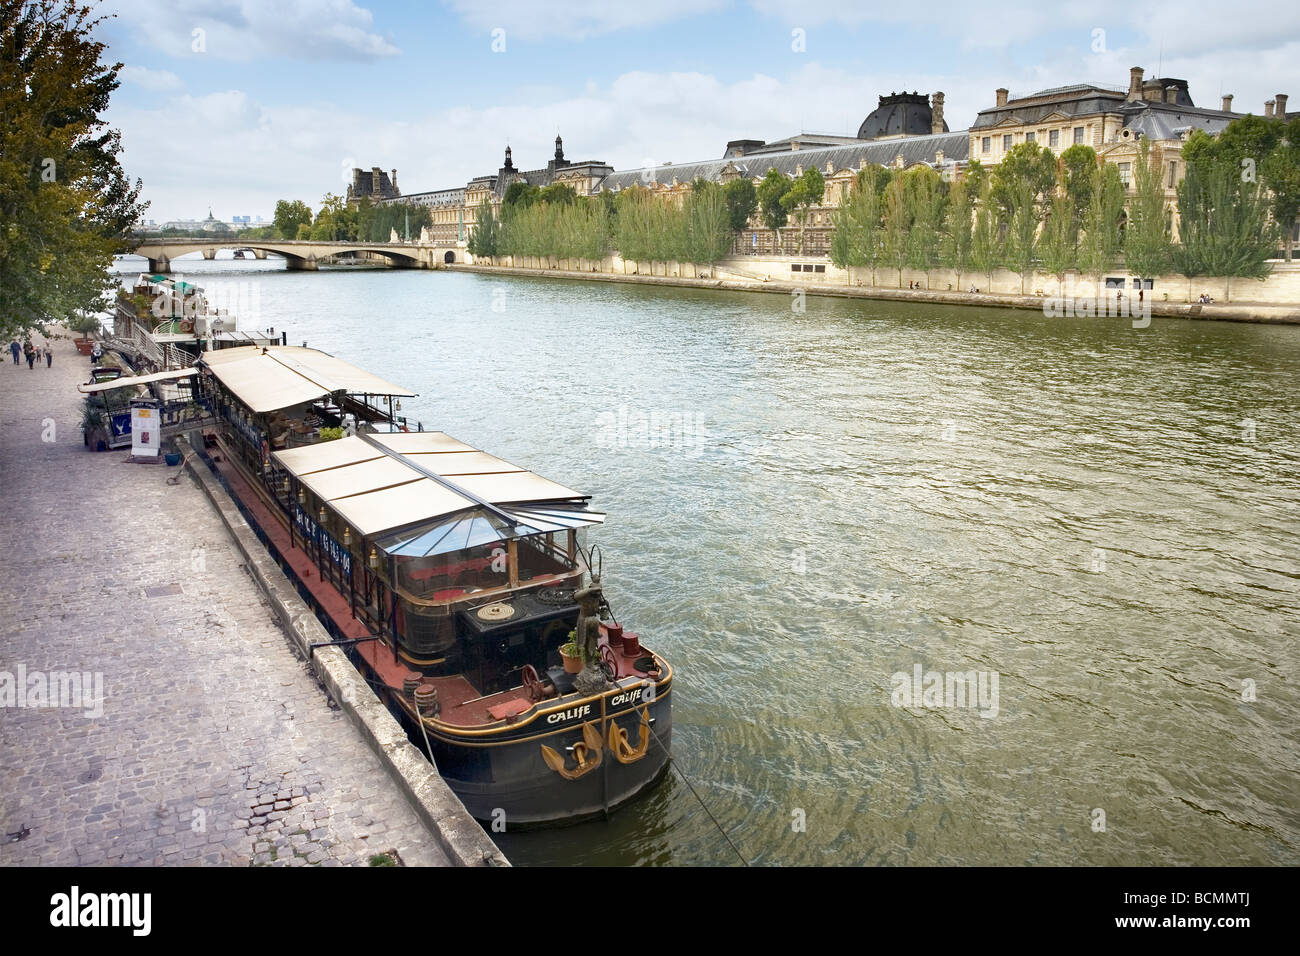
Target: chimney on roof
{"type": "Point", "coordinates": [1268, 107]}
{"type": "Point", "coordinates": [1001, 93]}
{"type": "Point", "coordinates": [1227, 102]}
{"type": "Point", "coordinates": [394, 181]}
{"type": "Point", "coordinates": [936, 113]}
{"type": "Point", "coordinates": [1171, 94]}
{"type": "Point", "coordinates": [938, 157]}
{"type": "Point", "coordinates": [1135, 84]}
{"type": "Point", "coordinates": [1281, 105]}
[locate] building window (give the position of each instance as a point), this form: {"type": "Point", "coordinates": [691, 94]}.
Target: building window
{"type": "Point", "coordinates": [1054, 138]}
{"type": "Point", "coordinates": [1173, 174]}
{"type": "Point", "coordinates": [1006, 143]}
{"type": "Point", "coordinates": [1029, 138]}
{"type": "Point", "coordinates": [1125, 173]}
{"type": "Point", "coordinates": [987, 144]}
{"type": "Point", "coordinates": [1078, 134]}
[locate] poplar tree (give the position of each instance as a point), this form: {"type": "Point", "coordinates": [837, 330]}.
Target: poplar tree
{"type": "Point", "coordinates": [1099, 250]}
{"type": "Point", "coordinates": [1146, 239]}
{"type": "Point", "coordinates": [986, 249]}
{"type": "Point", "coordinates": [955, 244]}
{"type": "Point", "coordinates": [1022, 230]}
{"type": "Point", "coordinates": [897, 223]}
{"type": "Point", "coordinates": [925, 199]}
{"type": "Point", "coordinates": [1057, 245]}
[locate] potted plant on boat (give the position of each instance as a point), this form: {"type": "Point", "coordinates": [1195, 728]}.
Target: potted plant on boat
{"type": "Point", "coordinates": [571, 654]}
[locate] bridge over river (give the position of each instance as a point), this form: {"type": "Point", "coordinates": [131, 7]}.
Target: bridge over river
{"type": "Point", "coordinates": [301, 254]}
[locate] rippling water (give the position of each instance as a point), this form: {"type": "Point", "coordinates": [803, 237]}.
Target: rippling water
{"type": "Point", "coordinates": [1105, 517]}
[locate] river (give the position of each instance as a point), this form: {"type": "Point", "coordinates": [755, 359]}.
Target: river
{"type": "Point", "coordinates": [803, 505]}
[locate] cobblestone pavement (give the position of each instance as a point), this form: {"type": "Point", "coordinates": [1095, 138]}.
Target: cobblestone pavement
{"type": "Point", "coordinates": [215, 744]}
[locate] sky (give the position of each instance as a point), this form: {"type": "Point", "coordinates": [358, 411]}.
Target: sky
{"type": "Point", "coordinates": [230, 105]}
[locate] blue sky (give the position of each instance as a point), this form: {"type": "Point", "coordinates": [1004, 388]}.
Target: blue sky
{"type": "Point", "coordinates": [285, 95]}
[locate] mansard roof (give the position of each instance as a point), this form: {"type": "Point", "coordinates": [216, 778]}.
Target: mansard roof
{"type": "Point", "coordinates": [914, 149]}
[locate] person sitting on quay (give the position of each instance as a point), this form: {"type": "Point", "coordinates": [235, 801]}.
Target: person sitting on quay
{"type": "Point", "coordinates": [15, 349]}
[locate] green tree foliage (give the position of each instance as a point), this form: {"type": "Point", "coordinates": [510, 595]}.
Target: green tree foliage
{"type": "Point", "coordinates": [1058, 244]}
{"type": "Point", "coordinates": [1225, 230]}
{"type": "Point", "coordinates": [377, 224]}
{"type": "Point", "coordinates": [1026, 168]}
{"type": "Point", "coordinates": [1022, 231]}
{"type": "Point", "coordinates": [484, 241]}
{"type": "Point", "coordinates": [558, 194]}
{"type": "Point", "coordinates": [289, 215]}
{"type": "Point", "coordinates": [742, 200]}
{"type": "Point", "coordinates": [653, 229]}
{"type": "Point", "coordinates": [986, 243]}
{"type": "Point", "coordinates": [519, 193]}
{"type": "Point", "coordinates": [804, 193]}
{"type": "Point", "coordinates": [1100, 247]}
{"type": "Point", "coordinates": [925, 191]}
{"type": "Point", "coordinates": [1146, 239]}
{"type": "Point", "coordinates": [565, 230]}
{"type": "Point", "coordinates": [1078, 165]}
{"type": "Point", "coordinates": [769, 191]}
{"type": "Point", "coordinates": [1280, 175]}
{"type": "Point", "coordinates": [855, 240]}
{"type": "Point", "coordinates": [955, 242]}
{"type": "Point", "coordinates": [66, 206]}
{"type": "Point", "coordinates": [896, 225]}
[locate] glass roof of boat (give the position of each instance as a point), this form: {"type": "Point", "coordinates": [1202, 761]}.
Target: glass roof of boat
{"type": "Point", "coordinates": [427, 493]}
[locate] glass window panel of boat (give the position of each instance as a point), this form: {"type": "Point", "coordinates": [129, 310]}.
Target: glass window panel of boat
{"type": "Point", "coordinates": [457, 555]}
{"type": "Point", "coordinates": [540, 557]}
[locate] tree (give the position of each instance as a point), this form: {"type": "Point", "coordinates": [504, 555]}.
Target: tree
{"type": "Point", "coordinates": [558, 193]}
{"type": "Point", "coordinates": [897, 224]}
{"type": "Point", "coordinates": [1057, 247]}
{"type": "Point", "coordinates": [805, 192]}
{"type": "Point", "coordinates": [924, 188]}
{"type": "Point", "coordinates": [986, 247]}
{"type": "Point", "coordinates": [769, 192]}
{"type": "Point", "coordinates": [1022, 231]}
{"type": "Point", "coordinates": [519, 193]}
{"type": "Point", "coordinates": [708, 224]}
{"type": "Point", "coordinates": [742, 200]}
{"type": "Point", "coordinates": [66, 206]}
{"type": "Point", "coordinates": [483, 240]}
{"type": "Point", "coordinates": [1078, 167]}
{"type": "Point", "coordinates": [289, 215]}
{"type": "Point", "coordinates": [1101, 243]}
{"type": "Point", "coordinates": [1025, 168]}
{"type": "Point", "coordinates": [1146, 239]}
{"type": "Point", "coordinates": [1280, 174]}
{"type": "Point", "coordinates": [1224, 224]}
{"type": "Point", "coordinates": [955, 243]}
{"type": "Point", "coordinates": [855, 240]}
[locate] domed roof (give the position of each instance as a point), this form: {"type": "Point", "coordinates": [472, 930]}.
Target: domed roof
{"type": "Point", "coordinates": [899, 114]}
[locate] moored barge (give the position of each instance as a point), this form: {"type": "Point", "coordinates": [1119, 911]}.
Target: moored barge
{"type": "Point", "coordinates": [454, 577]}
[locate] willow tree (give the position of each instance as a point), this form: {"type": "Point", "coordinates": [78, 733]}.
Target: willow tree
{"type": "Point", "coordinates": [1147, 248]}
{"type": "Point", "coordinates": [708, 224]}
{"type": "Point", "coordinates": [66, 206]}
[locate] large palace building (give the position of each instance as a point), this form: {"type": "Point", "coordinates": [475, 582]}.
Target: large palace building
{"type": "Point", "coordinates": [904, 130]}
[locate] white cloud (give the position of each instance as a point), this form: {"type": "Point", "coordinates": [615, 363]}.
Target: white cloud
{"type": "Point", "coordinates": [574, 19]}
{"type": "Point", "coordinates": [145, 78]}
{"type": "Point", "coordinates": [246, 29]}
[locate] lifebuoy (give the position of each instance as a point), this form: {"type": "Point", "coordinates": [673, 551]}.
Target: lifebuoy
{"type": "Point", "coordinates": [187, 325]}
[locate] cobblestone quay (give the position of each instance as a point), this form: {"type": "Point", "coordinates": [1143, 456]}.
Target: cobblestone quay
{"type": "Point", "coordinates": [215, 744]}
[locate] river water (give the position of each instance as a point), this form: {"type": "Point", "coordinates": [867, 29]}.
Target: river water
{"type": "Point", "coordinates": [804, 505]}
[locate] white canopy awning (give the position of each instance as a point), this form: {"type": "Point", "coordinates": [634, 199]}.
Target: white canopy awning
{"type": "Point", "coordinates": [125, 381]}
{"type": "Point", "coordinates": [278, 376]}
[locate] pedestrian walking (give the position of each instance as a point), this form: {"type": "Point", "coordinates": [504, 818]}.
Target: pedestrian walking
{"type": "Point", "coordinates": [14, 349]}
{"type": "Point", "coordinates": [49, 356]}
{"type": "Point", "coordinates": [30, 352]}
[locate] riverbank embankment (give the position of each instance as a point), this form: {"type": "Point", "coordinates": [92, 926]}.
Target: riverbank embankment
{"type": "Point", "coordinates": [1050, 305]}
